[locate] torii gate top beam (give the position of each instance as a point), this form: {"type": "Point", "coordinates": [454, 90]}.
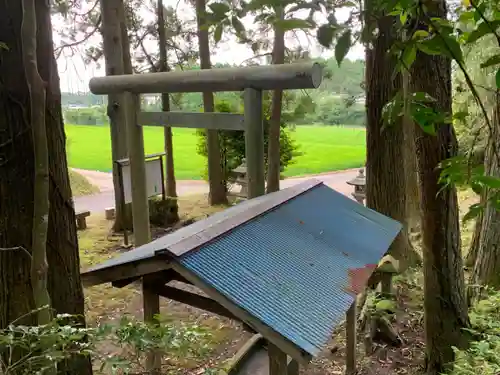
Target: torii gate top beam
{"type": "Point", "coordinates": [264, 77]}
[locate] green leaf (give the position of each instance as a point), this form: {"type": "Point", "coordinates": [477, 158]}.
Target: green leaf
{"type": "Point", "coordinates": [497, 78]}
{"type": "Point", "coordinates": [343, 45]}
{"type": "Point", "coordinates": [4, 46]}
{"type": "Point", "coordinates": [493, 60]}
{"type": "Point", "coordinates": [219, 8]}
{"type": "Point", "coordinates": [293, 23]}
{"type": "Point", "coordinates": [430, 46]}
{"type": "Point", "coordinates": [403, 17]}
{"type": "Point", "coordinates": [386, 305]}
{"type": "Point", "coordinates": [474, 211]}
{"type": "Point", "coordinates": [482, 30]}
{"type": "Point", "coordinates": [218, 33]}
{"type": "Point", "coordinates": [489, 181]}
{"type": "Point", "coordinates": [420, 34]}
{"type": "Point", "coordinates": [325, 35]}
{"type": "Point", "coordinates": [453, 46]}
{"type": "Point", "coordinates": [409, 55]}
{"type": "Point", "coordinates": [238, 26]}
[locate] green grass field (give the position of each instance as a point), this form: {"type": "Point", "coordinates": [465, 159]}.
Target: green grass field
{"type": "Point", "coordinates": [324, 148]}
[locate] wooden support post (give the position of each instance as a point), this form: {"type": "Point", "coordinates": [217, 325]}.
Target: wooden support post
{"type": "Point", "coordinates": [135, 139]}
{"type": "Point", "coordinates": [151, 308]}
{"type": "Point", "coordinates": [386, 283]}
{"type": "Point", "coordinates": [293, 367]}
{"type": "Point", "coordinates": [278, 360]}
{"type": "Point", "coordinates": [254, 142]}
{"type": "Point", "coordinates": [350, 360]}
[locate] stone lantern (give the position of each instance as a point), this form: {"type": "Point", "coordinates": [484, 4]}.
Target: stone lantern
{"type": "Point", "coordinates": [359, 183]}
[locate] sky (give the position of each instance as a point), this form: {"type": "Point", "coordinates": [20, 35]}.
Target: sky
{"type": "Point", "coordinates": [75, 74]}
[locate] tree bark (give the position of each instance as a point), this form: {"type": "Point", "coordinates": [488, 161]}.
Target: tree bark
{"type": "Point", "coordinates": [171, 189]}
{"type": "Point", "coordinates": [17, 182]}
{"type": "Point", "coordinates": [385, 167]}
{"type": "Point", "coordinates": [111, 33]}
{"type": "Point", "coordinates": [445, 303]}
{"type": "Point", "coordinates": [41, 203]}
{"type": "Point", "coordinates": [215, 173]}
{"type": "Point", "coordinates": [273, 151]}
{"type": "Point", "coordinates": [487, 264]}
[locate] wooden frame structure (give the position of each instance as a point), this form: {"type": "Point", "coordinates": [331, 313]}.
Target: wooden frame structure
{"type": "Point", "coordinates": [232, 248]}
{"type": "Point", "coordinates": [251, 80]}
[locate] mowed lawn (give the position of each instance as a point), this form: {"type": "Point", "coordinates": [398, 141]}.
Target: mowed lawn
{"type": "Point", "coordinates": [324, 149]}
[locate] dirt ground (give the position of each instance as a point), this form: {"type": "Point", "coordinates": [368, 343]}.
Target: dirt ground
{"type": "Point", "coordinates": [107, 304]}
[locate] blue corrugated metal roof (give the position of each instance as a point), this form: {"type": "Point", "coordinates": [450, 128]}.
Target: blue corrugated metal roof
{"type": "Point", "coordinates": [289, 267]}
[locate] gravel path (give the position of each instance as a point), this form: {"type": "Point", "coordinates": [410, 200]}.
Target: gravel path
{"type": "Point", "coordinates": [105, 199]}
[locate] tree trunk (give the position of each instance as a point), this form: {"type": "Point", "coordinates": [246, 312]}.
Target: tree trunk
{"type": "Point", "coordinates": [385, 167]}
{"type": "Point", "coordinates": [445, 303]}
{"type": "Point", "coordinates": [111, 33]}
{"type": "Point", "coordinates": [470, 259]}
{"type": "Point", "coordinates": [412, 194]}
{"type": "Point", "coordinates": [17, 182]}
{"type": "Point", "coordinates": [171, 189]}
{"type": "Point", "coordinates": [215, 173]}
{"type": "Point", "coordinates": [273, 151]}
{"type": "Point", "coordinates": [487, 265]}
{"type": "Point", "coordinates": [41, 203]}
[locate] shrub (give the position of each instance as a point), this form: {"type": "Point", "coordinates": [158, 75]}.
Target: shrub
{"type": "Point", "coordinates": [232, 145]}
{"type": "Point", "coordinates": [484, 350]}
{"type": "Point", "coordinates": [37, 349]}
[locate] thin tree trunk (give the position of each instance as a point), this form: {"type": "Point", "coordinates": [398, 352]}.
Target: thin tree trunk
{"type": "Point", "coordinates": [41, 203]}
{"type": "Point", "coordinates": [412, 194]}
{"type": "Point", "coordinates": [445, 303]}
{"type": "Point", "coordinates": [385, 167]}
{"type": "Point", "coordinates": [171, 189]}
{"type": "Point", "coordinates": [487, 264]}
{"type": "Point", "coordinates": [470, 259]}
{"type": "Point", "coordinates": [116, 107]}
{"type": "Point", "coordinates": [215, 172]}
{"type": "Point", "coordinates": [273, 152]}
{"type": "Point", "coordinates": [17, 178]}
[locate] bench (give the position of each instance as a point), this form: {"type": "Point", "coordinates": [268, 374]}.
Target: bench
{"type": "Point", "coordinates": [81, 219]}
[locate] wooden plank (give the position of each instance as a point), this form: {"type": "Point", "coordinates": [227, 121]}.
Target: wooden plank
{"type": "Point", "coordinates": [244, 353]}
{"type": "Point", "coordinates": [293, 367]}
{"type": "Point", "coordinates": [270, 334]}
{"type": "Point", "coordinates": [194, 120]}
{"type": "Point", "coordinates": [219, 228]}
{"type": "Point", "coordinates": [125, 161]}
{"type": "Point", "coordinates": [140, 204]}
{"type": "Point", "coordinates": [124, 271]}
{"type": "Point", "coordinates": [254, 143]}
{"type": "Point", "coordinates": [278, 361]}
{"type": "Point", "coordinates": [350, 362]}
{"type": "Point", "coordinates": [304, 75]}
{"type": "Point", "coordinates": [195, 300]}
{"type": "Point", "coordinates": [151, 310]}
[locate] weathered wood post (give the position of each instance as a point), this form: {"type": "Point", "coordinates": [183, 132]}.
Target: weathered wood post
{"type": "Point", "coordinates": [350, 326]}
{"type": "Point", "coordinates": [278, 360]}
{"type": "Point", "coordinates": [254, 142]}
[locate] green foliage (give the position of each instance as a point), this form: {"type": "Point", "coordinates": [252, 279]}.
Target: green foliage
{"type": "Point", "coordinates": [448, 38]}
{"type": "Point", "coordinates": [484, 351]}
{"type": "Point", "coordinates": [35, 349]}
{"type": "Point", "coordinates": [232, 144]}
{"type": "Point", "coordinates": [86, 116]}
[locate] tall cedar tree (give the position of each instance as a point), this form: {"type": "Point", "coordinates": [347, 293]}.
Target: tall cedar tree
{"type": "Point", "coordinates": [385, 167]}
{"type": "Point", "coordinates": [215, 169]}
{"type": "Point", "coordinates": [17, 181]}
{"type": "Point", "coordinates": [444, 288]}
